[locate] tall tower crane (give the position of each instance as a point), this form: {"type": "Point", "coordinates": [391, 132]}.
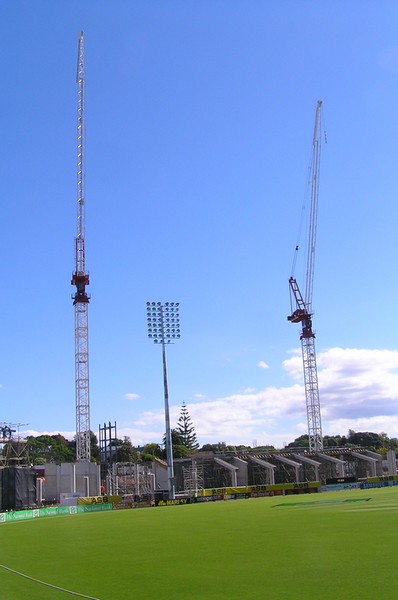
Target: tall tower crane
{"type": "Point", "coordinates": [80, 279]}
{"type": "Point", "coordinates": [302, 306]}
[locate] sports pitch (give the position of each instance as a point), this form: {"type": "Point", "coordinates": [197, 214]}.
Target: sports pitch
{"type": "Point", "coordinates": [339, 545]}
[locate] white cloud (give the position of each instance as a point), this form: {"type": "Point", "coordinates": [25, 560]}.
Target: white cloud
{"type": "Point", "coordinates": [358, 390]}
{"type": "Point", "coordinates": [236, 419]}
{"type": "Point", "coordinates": [377, 424]}
{"type": "Point", "coordinates": [294, 365]}
{"type": "Point", "coordinates": [140, 437]}
{"type": "Point", "coordinates": [262, 364]}
{"type": "Point", "coordinates": [150, 418]}
{"type": "Point", "coordinates": [358, 383]}
{"type": "Point", "coordinates": [131, 396]}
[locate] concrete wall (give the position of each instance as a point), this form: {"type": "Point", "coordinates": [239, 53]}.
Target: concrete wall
{"type": "Point", "coordinates": [71, 478]}
{"type": "Point", "coordinates": [159, 468]}
{"type": "Point", "coordinates": [242, 477]}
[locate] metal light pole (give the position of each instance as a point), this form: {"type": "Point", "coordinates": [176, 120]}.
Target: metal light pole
{"type": "Point", "coordinates": [164, 328]}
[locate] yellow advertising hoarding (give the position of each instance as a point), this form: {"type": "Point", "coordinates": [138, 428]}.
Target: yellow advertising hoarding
{"type": "Point", "coordinates": [98, 500]}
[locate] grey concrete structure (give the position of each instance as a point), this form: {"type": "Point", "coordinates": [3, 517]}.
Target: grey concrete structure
{"type": "Point", "coordinates": [82, 478]}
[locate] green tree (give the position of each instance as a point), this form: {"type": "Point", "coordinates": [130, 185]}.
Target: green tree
{"type": "Point", "coordinates": [368, 439]}
{"type": "Point", "coordinates": [125, 452]}
{"type": "Point", "coordinates": [177, 442]}
{"type": "Point", "coordinates": [186, 430]}
{"type": "Point", "coordinates": [300, 442]}
{"type": "Point", "coordinates": [179, 451]}
{"type": "Point", "coordinates": [216, 448]}
{"type": "Point", "coordinates": [57, 449]}
{"type": "Point", "coordinates": [261, 448]}
{"type": "Point", "coordinates": [393, 444]}
{"type": "Point", "coordinates": [334, 441]}
{"type": "Point", "coordinates": [151, 451]}
{"type": "Point", "coordinates": [176, 438]}
{"type": "Point", "coordinates": [50, 448]}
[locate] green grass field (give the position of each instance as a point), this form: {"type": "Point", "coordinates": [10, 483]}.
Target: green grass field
{"type": "Point", "coordinates": [339, 545]}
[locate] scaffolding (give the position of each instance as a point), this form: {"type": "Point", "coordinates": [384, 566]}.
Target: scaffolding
{"type": "Point", "coordinates": [108, 447]}
{"type": "Point", "coordinates": [193, 477]}
{"type": "Point", "coordinates": [130, 479]}
{"type": "Point", "coordinates": [13, 449]}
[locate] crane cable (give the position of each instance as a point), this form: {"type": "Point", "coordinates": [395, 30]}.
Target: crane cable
{"type": "Point", "coordinates": [303, 215]}
{"type": "Point", "coordinates": [304, 205]}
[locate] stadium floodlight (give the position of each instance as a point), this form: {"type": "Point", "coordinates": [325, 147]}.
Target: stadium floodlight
{"type": "Point", "coordinates": [164, 328]}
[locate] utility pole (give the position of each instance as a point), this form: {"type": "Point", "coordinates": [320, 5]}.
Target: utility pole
{"type": "Point", "coordinates": [302, 306]}
{"type": "Point", "coordinates": [80, 279]}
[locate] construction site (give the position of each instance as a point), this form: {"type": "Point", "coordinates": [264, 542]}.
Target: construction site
{"type": "Point", "coordinates": [24, 484]}
{"type": "Point", "coordinates": [201, 475]}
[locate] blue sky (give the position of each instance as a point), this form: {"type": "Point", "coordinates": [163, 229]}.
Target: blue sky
{"type": "Point", "coordinates": [199, 123]}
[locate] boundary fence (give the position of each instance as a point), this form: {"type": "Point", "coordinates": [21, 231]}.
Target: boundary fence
{"type": "Point", "coordinates": [50, 511]}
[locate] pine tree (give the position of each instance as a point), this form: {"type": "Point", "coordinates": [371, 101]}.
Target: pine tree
{"type": "Point", "coordinates": [186, 430]}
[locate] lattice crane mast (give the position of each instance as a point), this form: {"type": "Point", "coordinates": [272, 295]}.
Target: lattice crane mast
{"type": "Point", "coordinates": [80, 279]}
{"type": "Point", "coordinates": [302, 306]}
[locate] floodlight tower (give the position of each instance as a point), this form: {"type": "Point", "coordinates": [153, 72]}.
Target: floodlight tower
{"type": "Point", "coordinates": [302, 306]}
{"type": "Point", "coordinates": [164, 328]}
{"type": "Point", "coordinates": [80, 279]}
